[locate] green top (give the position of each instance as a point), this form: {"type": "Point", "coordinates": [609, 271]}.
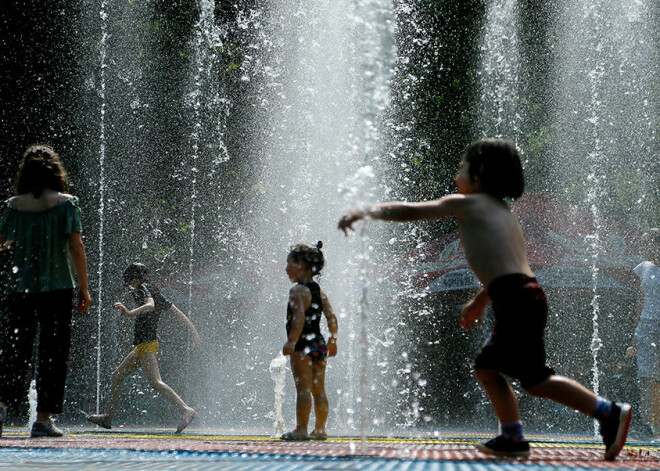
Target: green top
{"type": "Point", "coordinates": [41, 259]}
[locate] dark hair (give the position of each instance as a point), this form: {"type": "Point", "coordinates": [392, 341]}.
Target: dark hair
{"type": "Point", "coordinates": [40, 168]}
{"type": "Point", "coordinates": [310, 256]}
{"type": "Point", "coordinates": [137, 271]}
{"type": "Point", "coordinates": [497, 164]}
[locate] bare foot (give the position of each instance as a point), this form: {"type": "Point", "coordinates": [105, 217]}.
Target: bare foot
{"type": "Point", "coordinates": [296, 435]}
{"type": "Point", "coordinates": [188, 417]}
{"type": "Point", "coordinates": [319, 434]}
{"type": "Point", "coordinates": [102, 420]}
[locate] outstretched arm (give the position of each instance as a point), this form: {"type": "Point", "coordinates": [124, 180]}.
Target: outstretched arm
{"type": "Point", "coordinates": [184, 318]}
{"type": "Point", "coordinates": [80, 265]}
{"type": "Point", "coordinates": [148, 306]}
{"type": "Point", "coordinates": [332, 324]}
{"type": "Point", "coordinates": [403, 212]}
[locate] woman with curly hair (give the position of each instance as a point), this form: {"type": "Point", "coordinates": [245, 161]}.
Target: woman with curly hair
{"type": "Point", "coordinates": [41, 225]}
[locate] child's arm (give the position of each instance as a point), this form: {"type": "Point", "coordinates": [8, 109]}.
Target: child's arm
{"type": "Point", "coordinates": [4, 243]}
{"type": "Point", "coordinates": [332, 324]}
{"type": "Point", "coordinates": [639, 306]}
{"type": "Point", "coordinates": [184, 318]}
{"type": "Point", "coordinates": [298, 309]}
{"type": "Point", "coordinates": [148, 306]}
{"type": "Point", "coordinates": [474, 310]}
{"type": "Point", "coordinates": [450, 205]}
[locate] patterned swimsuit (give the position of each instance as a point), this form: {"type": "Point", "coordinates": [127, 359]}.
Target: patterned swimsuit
{"type": "Point", "coordinates": [311, 341]}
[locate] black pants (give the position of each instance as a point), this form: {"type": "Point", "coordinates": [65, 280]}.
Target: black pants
{"type": "Point", "coordinates": [50, 311]}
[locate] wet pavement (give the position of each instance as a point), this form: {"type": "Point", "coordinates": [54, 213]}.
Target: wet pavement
{"type": "Point", "coordinates": [87, 448]}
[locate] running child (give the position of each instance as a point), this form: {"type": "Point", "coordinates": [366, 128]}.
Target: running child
{"type": "Point", "coordinates": [494, 246]}
{"type": "Point", "coordinates": [305, 343]}
{"type": "Point", "coordinates": [150, 305]}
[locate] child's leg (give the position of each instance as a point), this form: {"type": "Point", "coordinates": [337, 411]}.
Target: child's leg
{"type": "Point", "coordinates": [567, 392]}
{"type": "Point", "coordinates": [511, 442]}
{"type": "Point", "coordinates": [301, 367]}
{"type": "Point", "coordinates": [125, 368]}
{"type": "Point", "coordinates": [501, 395]}
{"type": "Point", "coordinates": [649, 395]}
{"type": "Point", "coordinates": [320, 397]}
{"type": "Point", "coordinates": [150, 366]}
{"type": "Point", "coordinates": [655, 408]}
{"type": "Point", "coordinates": [614, 418]}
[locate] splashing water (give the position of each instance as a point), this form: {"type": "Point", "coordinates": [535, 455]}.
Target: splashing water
{"type": "Point", "coordinates": [277, 372]}
{"type": "Point", "coordinates": [102, 187]}
{"type": "Point", "coordinates": [32, 400]}
{"type": "Point", "coordinates": [320, 77]}
{"type": "Point", "coordinates": [500, 75]}
{"type": "Point", "coordinates": [378, 54]}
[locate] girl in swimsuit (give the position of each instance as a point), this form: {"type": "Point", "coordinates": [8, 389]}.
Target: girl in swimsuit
{"type": "Point", "coordinates": [305, 343]}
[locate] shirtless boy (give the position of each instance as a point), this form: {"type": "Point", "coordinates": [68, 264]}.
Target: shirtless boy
{"type": "Point", "coordinates": [494, 246]}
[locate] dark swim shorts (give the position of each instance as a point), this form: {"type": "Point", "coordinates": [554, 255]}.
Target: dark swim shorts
{"type": "Point", "coordinates": [516, 346]}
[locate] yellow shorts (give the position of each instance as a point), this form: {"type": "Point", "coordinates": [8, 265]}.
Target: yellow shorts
{"type": "Point", "coordinates": [146, 347]}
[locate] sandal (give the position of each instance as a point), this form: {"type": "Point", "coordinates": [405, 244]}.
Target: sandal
{"type": "Point", "coordinates": [317, 437]}
{"type": "Point", "coordinates": [290, 437]}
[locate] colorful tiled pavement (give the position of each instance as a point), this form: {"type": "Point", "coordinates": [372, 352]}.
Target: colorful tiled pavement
{"type": "Point", "coordinates": [197, 449]}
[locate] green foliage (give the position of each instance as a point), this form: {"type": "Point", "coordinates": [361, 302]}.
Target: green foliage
{"type": "Point", "coordinates": [161, 252]}
{"type": "Point", "coordinates": [539, 141]}
{"type": "Point", "coordinates": [418, 160]}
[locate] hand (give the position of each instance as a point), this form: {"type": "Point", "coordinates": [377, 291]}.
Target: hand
{"type": "Point", "coordinates": [470, 313]}
{"type": "Point", "coordinates": [84, 300]}
{"type": "Point", "coordinates": [288, 348]}
{"type": "Point", "coordinates": [122, 309]}
{"type": "Point", "coordinates": [347, 220]}
{"type": "Point", "coordinates": [631, 351]}
{"type": "Point", "coordinates": [332, 347]}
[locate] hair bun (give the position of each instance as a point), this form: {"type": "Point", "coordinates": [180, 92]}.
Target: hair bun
{"type": "Point", "coordinates": [319, 245]}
